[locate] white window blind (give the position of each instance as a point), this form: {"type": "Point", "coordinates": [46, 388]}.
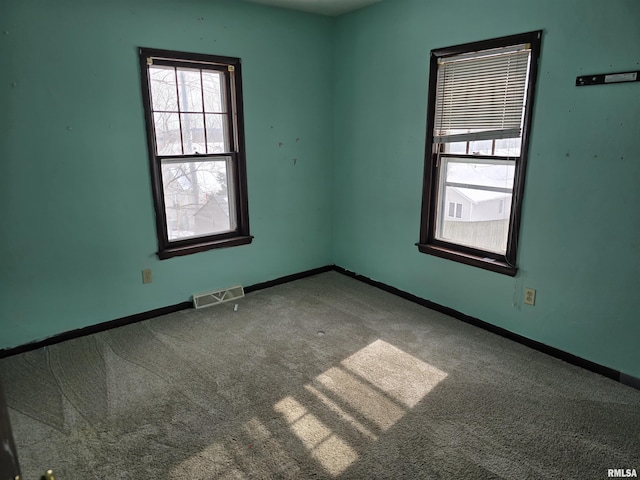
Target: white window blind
{"type": "Point", "coordinates": [481, 96]}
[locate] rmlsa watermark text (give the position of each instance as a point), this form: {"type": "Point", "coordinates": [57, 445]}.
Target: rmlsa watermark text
{"type": "Point", "coordinates": [622, 473]}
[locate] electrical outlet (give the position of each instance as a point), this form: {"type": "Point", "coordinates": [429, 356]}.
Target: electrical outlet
{"type": "Point", "coordinates": [529, 296]}
{"type": "Point", "coordinates": [146, 276]}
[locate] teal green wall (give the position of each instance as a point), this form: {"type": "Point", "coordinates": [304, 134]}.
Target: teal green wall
{"type": "Point", "coordinates": [76, 203]}
{"type": "Point", "coordinates": [346, 98]}
{"type": "Point", "coordinates": [580, 233]}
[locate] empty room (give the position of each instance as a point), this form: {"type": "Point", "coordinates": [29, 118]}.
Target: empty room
{"type": "Point", "coordinates": [337, 239]}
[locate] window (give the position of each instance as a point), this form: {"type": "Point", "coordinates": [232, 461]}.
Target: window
{"type": "Point", "coordinates": [455, 210]}
{"type": "Point", "coordinates": [195, 135]}
{"type": "Point", "coordinates": [479, 117]}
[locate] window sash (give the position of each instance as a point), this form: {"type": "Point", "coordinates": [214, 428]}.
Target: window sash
{"type": "Point", "coordinates": [194, 201]}
{"type": "Point", "coordinates": [481, 97]}
{"type": "Point", "coordinates": [483, 233]}
{"type": "Point", "coordinates": [210, 126]}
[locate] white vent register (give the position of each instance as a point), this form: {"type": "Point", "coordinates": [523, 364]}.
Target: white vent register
{"type": "Point", "coordinates": [208, 299]}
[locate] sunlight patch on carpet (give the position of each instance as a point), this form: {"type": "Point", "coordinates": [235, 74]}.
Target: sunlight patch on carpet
{"type": "Point", "coordinates": [326, 447]}
{"type": "Point", "coordinates": [394, 372]}
{"type": "Point", "coordinates": [340, 412]}
{"type": "Point", "coordinates": [361, 398]}
{"type": "Point", "coordinates": [369, 391]}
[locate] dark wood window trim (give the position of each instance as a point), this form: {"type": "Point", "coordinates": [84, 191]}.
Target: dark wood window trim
{"type": "Point", "coordinates": [231, 68]}
{"type": "Point", "coordinates": [429, 244]}
{"type": "Point", "coordinates": [469, 259]}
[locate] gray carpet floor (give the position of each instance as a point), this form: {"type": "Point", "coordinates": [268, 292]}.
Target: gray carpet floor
{"type": "Point", "coordinates": [324, 377]}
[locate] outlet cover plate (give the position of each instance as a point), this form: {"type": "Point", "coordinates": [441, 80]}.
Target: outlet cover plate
{"type": "Point", "coordinates": [146, 276]}
{"type": "Point", "coordinates": [529, 296]}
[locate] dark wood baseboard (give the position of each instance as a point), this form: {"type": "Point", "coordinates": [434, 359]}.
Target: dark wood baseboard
{"type": "Point", "coordinates": [628, 380]}
{"type": "Point", "coordinates": [91, 329]}
{"type": "Point", "coordinates": [139, 317]}
{"type": "Point", "coordinates": [289, 278]}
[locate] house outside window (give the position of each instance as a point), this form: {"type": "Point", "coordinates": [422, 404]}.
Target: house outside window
{"type": "Point", "coordinates": [195, 136]}
{"type": "Point", "coordinates": [479, 117]}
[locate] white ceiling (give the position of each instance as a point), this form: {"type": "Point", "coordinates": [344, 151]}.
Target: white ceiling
{"type": "Point", "coordinates": [322, 7]}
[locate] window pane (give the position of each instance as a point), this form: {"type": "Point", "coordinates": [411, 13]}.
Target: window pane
{"type": "Point", "coordinates": [484, 173]}
{"type": "Point", "coordinates": [164, 95]}
{"type": "Point", "coordinates": [481, 147]}
{"type": "Point", "coordinates": [167, 128]}
{"type": "Point", "coordinates": [193, 133]}
{"type": "Point", "coordinates": [482, 194]}
{"type": "Point", "coordinates": [217, 134]}
{"type": "Point", "coordinates": [190, 90]}
{"type": "Point", "coordinates": [456, 147]}
{"type": "Point", "coordinates": [197, 198]}
{"type": "Point", "coordinates": [508, 147]}
{"type": "Point", "coordinates": [213, 88]}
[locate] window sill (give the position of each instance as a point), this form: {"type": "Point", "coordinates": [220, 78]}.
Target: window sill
{"type": "Point", "coordinates": [468, 259]}
{"type": "Point", "coordinates": [171, 252]}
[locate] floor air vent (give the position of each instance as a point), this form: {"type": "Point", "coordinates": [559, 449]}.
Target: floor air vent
{"type": "Point", "coordinates": [208, 299]}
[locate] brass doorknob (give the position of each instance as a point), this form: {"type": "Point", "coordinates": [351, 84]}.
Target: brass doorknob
{"type": "Point", "coordinates": [48, 476]}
